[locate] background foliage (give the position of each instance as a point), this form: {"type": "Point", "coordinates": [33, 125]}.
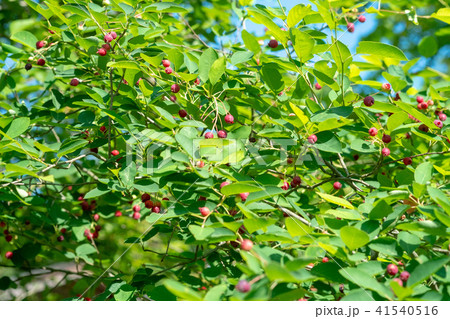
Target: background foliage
{"type": "Point", "coordinates": [61, 188]}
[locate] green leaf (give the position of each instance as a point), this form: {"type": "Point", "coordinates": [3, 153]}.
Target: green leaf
{"type": "Point", "coordinates": [336, 200]}
{"type": "Point", "coordinates": [414, 112]}
{"type": "Point", "coordinates": [261, 17]}
{"type": "Point", "coordinates": [364, 280]}
{"type": "Point", "coordinates": [200, 233]}
{"type": "Point", "coordinates": [123, 65]}
{"type": "Point", "coordinates": [272, 77]}
{"type": "Point", "coordinates": [428, 46]}
{"type": "Point", "coordinates": [440, 198]}
{"type": "Point", "coordinates": [85, 249]}
{"type": "Point", "coordinates": [206, 61]}
{"type": "Point", "coordinates": [166, 7]}
{"type": "Point", "coordinates": [303, 44]}
{"type": "Point", "coordinates": [181, 291]}
{"type": "Point", "coordinates": [127, 174]}
{"type": "Point", "coordinates": [18, 126]}
{"type": "Point", "coordinates": [216, 293]}
{"type": "Point", "coordinates": [241, 57]}
{"type": "Point", "coordinates": [423, 173]}
{"type": "Point", "coordinates": [97, 192]}
{"type": "Point", "coordinates": [297, 13]}
{"type": "Point", "coordinates": [380, 49]}
{"type": "Point", "coordinates": [297, 228]}
{"type": "Point", "coordinates": [443, 14]}
{"type": "Point", "coordinates": [408, 242]}
{"type": "Point", "coordinates": [353, 238]}
{"type": "Point", "coordinates": [217, 70]}
{"type": "Point", "coordinates": [71, 146]}
{"type": "Point", "coordinates": [387, 246]}
{"type": "Point", "coordinates": [381, 210]}
{"type": "Point", "coordinates": [238, 188]}
{"type": "Point", "coordinates": [24, 171]}
{"type": "Point", "coordinates": [254, 224]}
{"type": "Point", "coordinates": [25, 38]}
{"type": "Point", "coordinates": [328, 142]}
{"type": "Point", "coordinates": [250, 42]}
{"type": "Point", "coordinates": [396, 119]}
{"type": "Point", "coordinates": [425, 270]}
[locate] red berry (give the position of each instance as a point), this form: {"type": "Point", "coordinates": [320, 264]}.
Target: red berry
{"type": "Point", "coordinates": [399, 281]}
{"type": "Point", "coordinates": [74, 82]}
{"type": "Point", "coordinates": [442, 117]}
{"type": "Point", "coordinates": [204, 211]}
{"type": "Point", "coordinates": [407, 161]}
{"type": "Point", "coordinates": [8, 238]}
{"type": "Point", "coordinates": [386, 87]}
{"type": "Point", "coordinates": [96, 217]}
{"type": "Point", "coordinates": [8, 255]}
{"type": "Point", "coordinates": [392, 269]}
{"type": "Point", "coordinates": [200, 164]}
{"type": "Point", "coordinates": [246, 244]}
{"type": "Point", "coordinates": [209, 135]}
{"type": "Point", "coordinates": [2, 224]}
{"type": "Point", "coordinates": [224, 184]}
{"type": "Point", "coordinates": [101, 52]}
{"type": "Point", "coordinates": [317, 86]}
{"type": "Point", "coordinates": [362, 19]}
{"type": "Point", "coordinates": [273, 44]}
{"type": "Point", "coordinates": [168, 70]}
{"type": "Point", "coordinates": [118, 213]}
{"type": "Point", "coordinates": [373, 131]}
{"type": "Point", "coordinates": [136, 215]}
{"type": "Point", "coordinates": [285, 186]}
{"type": "Point", "coordinates": [40, 44]}
{"type": "Point", "coordinates": [41, 62]}
{"type": "Point", "coordinates": [63, 230]}
{"type": "Point", "coordinates": [419, 99]}
{"type": "Point", "coordinates": [182, 113]}
{"type": "Point", "coordinates": [108, 38]}
{"type": "Point", "coordinates": [438, 123]}
{"type": "Point", "coordinates": [85, 206]}
{"type": "Point", "coordinates": [136, 208]}
{"type": "Point", "coordinates": [312, 139]}
{"type": "Point", "coordinates": [243, 286]}
{"type": "Point", "coordinates": [422, 106]}
{"type": "Point", "coordinates": [386, 138]}
{"type": "Point", "coordinates": [173, 98]}
{"type": "Point", "coordinates": [325, 259]}
{"type": "Point", "coordinates": [113, 34]}
{"type": "Point", "coordinates": [430, 102]}
{"type": "Point", "coordinates": [145, 197]}
{"type": "Point", "coordinates": [229, 119]}
{"type": "Point", "coordinates": [296, 180]}
{"type": "Point", "coordinates": [222, 134]}
{"type": "Point", "coordinates": [350, 27]}
{"type": "Point", "coordinates": [369, 101]}
{"type": "Point", "coordinates": [103, 129]}
{"type": "Point", "coordinates": [337, 185]}
{"type": "Point", "coordinates": [197, 81]}
{"type": "Point", "coordinates": [60, 238]}
{"type": "Point", "coordinates": [244, 196]}
{"type": "Point", "coordinates": [423, 128]}
{"type": "Point", "coordinates": [385, 151]}
{"type": "Point", "coordinates": [404, 276]}
{"type": "Point", "coordinates": [175, 88]}
{"type": "Point", "coordinates": [149, 204]}
{"type": "Point", "coordinates": [115, 152]}
{"type": "Point", "coordinates": [166, 63]}
{"type": "Point", "coordinates": [106, 46]}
